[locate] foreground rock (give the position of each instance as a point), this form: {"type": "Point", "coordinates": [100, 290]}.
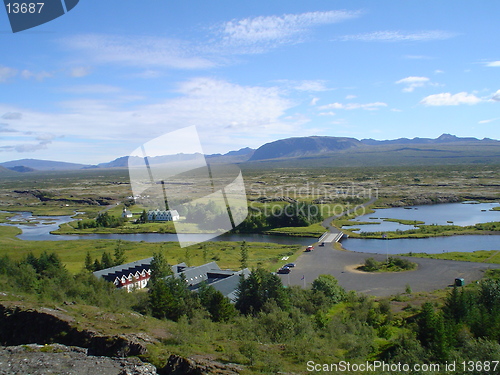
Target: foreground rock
{"type": "Point", "coordinates": [198, 365]}
{"type": "Point", "coordinates": [39, 340]}
{"type": "Point", "coordinates": [20, 325]}
{"type": "Point", "coordinates": [60, 359]}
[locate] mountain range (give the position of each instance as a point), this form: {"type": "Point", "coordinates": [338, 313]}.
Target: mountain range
{"type": "Point", "coordinates": [318, 150]}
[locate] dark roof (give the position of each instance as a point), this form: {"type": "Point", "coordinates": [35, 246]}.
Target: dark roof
{"type": "Point", "coordinates": [124, 269]}
{"type": "Point", "coordinates": [195, 275]}
{"type": "Point", "coordinates": [228, 286]}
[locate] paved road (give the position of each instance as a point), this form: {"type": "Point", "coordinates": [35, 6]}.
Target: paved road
{"type": "Point", "coordinates": [431, 274]}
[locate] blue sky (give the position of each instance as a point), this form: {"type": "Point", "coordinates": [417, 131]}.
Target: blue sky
{"type": "Point", "coordinates": [96, 83]}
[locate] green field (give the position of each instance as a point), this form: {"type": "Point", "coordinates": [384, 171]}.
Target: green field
{"type": "Point", "coordinates": [73, 252]}
{"type": "Point", "coordinates": [481, 256]}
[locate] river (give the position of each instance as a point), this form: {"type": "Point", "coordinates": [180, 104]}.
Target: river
{"type": "Point", "coordinates": [459, 213]}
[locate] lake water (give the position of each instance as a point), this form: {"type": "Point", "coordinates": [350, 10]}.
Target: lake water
{"type": "Point", "coordinates": [461, 214]}
{"type": "Point", "coordinates": [431, 245]}
{"type": "Point", "coordinates": [41, 232]}
{"type": "Point", "coordinates": [46, 224]}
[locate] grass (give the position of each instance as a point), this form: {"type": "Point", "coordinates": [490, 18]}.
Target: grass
{"type": "Point", "coordinates": [405, 222]}
{"type": "Point", "coordinates": [392, 265]}
{"type": "Point", "coordinates": [480, 256]}
{"type": "Point", "coordinates": [313, 230]}
{"type": "Point", "coordinates": [433, 230]}
{"type": "Point", "coordinates": [73, 252]}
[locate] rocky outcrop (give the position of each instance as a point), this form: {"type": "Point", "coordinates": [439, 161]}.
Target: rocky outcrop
{"type": "Point", "coordinates": [47, 341]}
{"type": "Point", "coordinates": [275, 199]}
{"type": "Point", "coordinates": [423, 200]}
{"type": "Point", "coordinates": [20, 325]}
{"type": "Point", "coordinates": [45, 196]}
{"type": "Point", "coordinates": [61, 359]}
{"type": "Point", "coordinates": [198, 365]}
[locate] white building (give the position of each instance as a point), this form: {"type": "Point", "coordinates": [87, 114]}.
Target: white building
{"type": "Point", "coordinates": [130, 276]}
{"type": "Point", "coordinates": [126, 213]}
{"type": "Point", "coordinates": [163, 215]}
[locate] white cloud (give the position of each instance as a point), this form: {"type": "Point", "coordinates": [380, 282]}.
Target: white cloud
{"type": "Point", "coordinates": [275, 30]}
{"type": "Point", "coordinates": [351, 106]}
{"type": "Point", "coordinates": [224, 113]}
{"type": "Point", "coordinates": [400, 36]}
{"type": "Point", "coordinates": [141, 51]}
{"type": "Point", "coordinates": [314, 101]}
{"type": "Point", "coordinates": [496, 96]}
{"type": "Point", "coordinates": [412, 83]}
{"type": "Point", "coordinates": [79, 71]}
{"type": "Point", "coordinates": [311, 85]}
{"type": "Point", "coordinates": [39, 76]}
{"type": "Point", "coordinates": [493, 64]}
{"type": "Point", "coordinates": [330, 113]}
{"type": "Point", "coordinates": [349, 97]}
{"type": "Point", "coordinates": [447, 99]}
{"type": "Point", "coordinates": [12, 116]}
{"type": "Point", "coordinates": [6, 73]}
{"type": "Point", "coordinates": [488, 121]}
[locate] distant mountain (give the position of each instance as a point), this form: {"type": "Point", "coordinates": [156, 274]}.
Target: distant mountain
{"type": "Point", "coordinates": [303, 146]}
{"type": "Point", "coordinates": [446, 149]}
{"type": "Point", "coordinates": [311, 152]}
{"type": "Point", "coordinates": [443, 138]}
{"type": "Point", "coordinates": [42, 165]}
{"type": "Point", "coordinates": [231, 157]}
{"type": "Point", "coordinates": [241, 151]}
{"type": "Point", "coordinates": [22, 169]}
{"type": "Point", "coordinates": [6, 172]}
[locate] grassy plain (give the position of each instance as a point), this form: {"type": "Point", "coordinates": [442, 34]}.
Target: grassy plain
{"type": "Point", "coordinates": [243, 341]}
{"type": "Point", "coordinates": [73, 252]}
{"type": "Point", "coordinates": [481, 256]}
{"type": "Point", "coordinates": [92, 191]}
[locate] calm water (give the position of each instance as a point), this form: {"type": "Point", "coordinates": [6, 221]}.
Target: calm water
{"type": "Point", "coordinates": [46, 224]}
{"type": "Point", "coordinates": [432, 245]}
{"type": "Point", "coordinates": [442, 214]}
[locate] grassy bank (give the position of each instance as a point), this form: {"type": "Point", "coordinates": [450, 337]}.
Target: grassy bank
{"type": "Point", "coordinates": [480, 256]}
{"type": "Point", "coordinates": [425, 231]}
{"type": "Point", "coordinates": [73, 252]}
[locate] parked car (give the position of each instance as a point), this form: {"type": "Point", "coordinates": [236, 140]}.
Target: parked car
{"type": "Point", "coordinates": [289, 265]}
{"type": "Point", "coordinates": [322, 244]}
{"type": "Point", "coordinates": [284, 270]}
{"type": "Point", "coordinates": [309, 248]}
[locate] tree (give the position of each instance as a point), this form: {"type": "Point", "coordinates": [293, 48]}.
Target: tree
{"type": "Point", "coordinates": [219, 307]}
{"type": "Point", "coordinates": [26, 278]}
{"type": "Point", "coordinates": [97, 265]}
{"type": "Point", "coordinates": [260, 287]}
{"type": "Point", "coordinates": [330, 287]}
{"type": "Point", "coordinates": [205, 252]}
{"type": "Point", "coordinates": [103, 220]}
{"type": "Point", "coordinates": [119, 254]}
{"type": "Point", "coordinates": [244, 255]}
{"type": "Point", "coordinates": [89, 264]}
{"type": "Point", "coordinates": [159, 267]}
{"type": "Point", "coordinates": [144, 217]}
{"type": "Point", "coordinates": [106, 261]}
